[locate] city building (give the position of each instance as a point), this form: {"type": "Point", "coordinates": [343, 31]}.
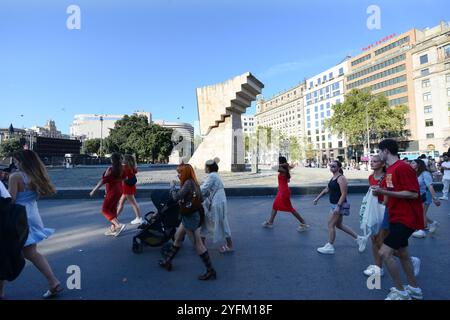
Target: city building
{"type": "Point", "coordinates": [431, 76]}
{"type": "Point", "coordinates": [248, 123]}
{"type": "Point", "coordinates": [283, 113]}
{"type": "Point", "coordinates": [386, 67]}
{"type": "Point", "coordinates": [92, 126]}
{"type": "Point", "coordinates": [49, 131]}
{"type": "Point", "coordinates": [185, 148]}
{"type": "Point", "coordinates": [322, 92]}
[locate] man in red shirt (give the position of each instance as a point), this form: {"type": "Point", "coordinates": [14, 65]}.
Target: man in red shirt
{"type": "Point", "coordinates": [405, 216]}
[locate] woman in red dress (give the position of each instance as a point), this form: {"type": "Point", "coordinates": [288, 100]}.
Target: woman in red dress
{"type": "Point", "coordinates": [283, 199]}
{"type": "Point", "coordinates": [112, 177]}
{"type": "Point", "coordinates": [129, 188]}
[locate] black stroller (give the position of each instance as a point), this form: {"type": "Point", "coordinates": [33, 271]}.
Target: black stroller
{"type": "Point", "coordinates": [156, 232]}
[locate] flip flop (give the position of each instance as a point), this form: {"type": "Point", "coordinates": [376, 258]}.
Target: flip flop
{"type": "Point", "coordinates": [225, 249]}
{"type": "Point", "coordinates": [51, 293]}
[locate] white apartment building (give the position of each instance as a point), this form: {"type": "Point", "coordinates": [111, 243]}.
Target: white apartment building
{"type": "Point", "coordinates": [92, 126]}
{"type": "Point", "coordinates": [322, 92]}
{"type": "Point", "coordinates": [183, 150]}
{"type": "Point", "coordinates": [248, 123]}
{"type": "Point", "coordinates": [431, 74]}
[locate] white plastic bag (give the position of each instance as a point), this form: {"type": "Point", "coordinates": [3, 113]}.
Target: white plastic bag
{"type": "Point", "coordinates": [371, 214]}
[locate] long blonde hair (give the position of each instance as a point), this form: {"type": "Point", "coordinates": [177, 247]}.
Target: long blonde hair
{"type": "Point", "coordinates": [33, 167]}
{"type": "Point", "coordinates": [130, 162]}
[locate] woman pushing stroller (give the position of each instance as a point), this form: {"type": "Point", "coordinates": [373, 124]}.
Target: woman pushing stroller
{"type": "Point", "coordinates": [189, 196]}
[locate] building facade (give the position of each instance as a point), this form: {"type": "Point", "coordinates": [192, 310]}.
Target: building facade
{"type": "Point", "coordinates": [248, 123]}
{"type": "Point", "coordinates": [322, 92]}
{"type": "Point", "coordinates": [49, 131]}
{"type": "Point", "coordinates": [185, 148]}
{"type": "Point", "coordinates": [387, 68]}
{"type": "Point", "coordinates": [431, 74]}
{"type": "Point", "coordinates": [97, 126]}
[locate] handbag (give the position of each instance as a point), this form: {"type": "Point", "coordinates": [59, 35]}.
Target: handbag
{"type": "Point", "coordinates": [194, 204]}
{"type": "Point", "coordinates": [131, 182]}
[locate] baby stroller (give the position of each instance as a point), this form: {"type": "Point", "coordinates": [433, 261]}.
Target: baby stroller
{"type": "Point", "coordinates": [156, 232]}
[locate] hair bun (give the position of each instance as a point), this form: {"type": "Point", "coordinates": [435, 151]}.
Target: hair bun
{"type": "Point", "coordinates": [217, 160]}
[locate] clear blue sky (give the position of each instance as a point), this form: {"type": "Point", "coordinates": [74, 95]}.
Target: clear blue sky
{"type": "Point", "coordinates": [152, 54]}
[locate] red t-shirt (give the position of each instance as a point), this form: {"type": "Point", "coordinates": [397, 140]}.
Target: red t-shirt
{"type": "Point", "coordinates": [409, 212]}
{"type": "Point", "coordinates": [374, 182]}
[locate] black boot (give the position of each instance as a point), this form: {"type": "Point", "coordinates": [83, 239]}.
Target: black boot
{"type": "Point", "coordinates": [167, 262]}
{"type": "Point", "coordinates": [210, 272]}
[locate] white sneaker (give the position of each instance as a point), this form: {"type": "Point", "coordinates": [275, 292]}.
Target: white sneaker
{"type": "Point", "coordinates": [109, 232]}
{"type": "Point", "coordinates": [303, 227]}
{"type": "Point", "coordinates": [416, 265]}
{"type": "Point", "coordinates": [398, 295]}
{"type": "Point", "coordinates": [415, 293]}
{"type": "Point", "coordinates": [326, 249]}
{"type": "Point", "coordinates": [419, 234]}
{"type": "Point", "coordinates": [373, 269]}
{"type": "Point", "coordinates": [267, 225]}
{"type": "Point", "coordinates": [136, 221]}
{"type": "Point", "coordinates": [362, 242]}
{"type": "Point", "coordinates": [433, 226]}
{"type": "Point", "coordinates": [443, 198]}
{"type": "Point", "coordinates": [122, 226]}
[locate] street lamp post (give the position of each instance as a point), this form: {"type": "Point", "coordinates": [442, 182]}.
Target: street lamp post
{"type": "Point", "coordinates": [368, 134]}
{"type": "Point", "coordinates": [101, 136]}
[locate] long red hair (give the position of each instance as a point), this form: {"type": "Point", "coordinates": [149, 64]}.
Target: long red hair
{"type": "Point", "coordinates": [186, 172]}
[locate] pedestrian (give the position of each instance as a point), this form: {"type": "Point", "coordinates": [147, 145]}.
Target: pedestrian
{"type": "Point", "coordinates": [405, 216]}
{"type": "Point", "coordinates": [129, 188]}
{"type": "Point", "coordinates": [405, 160]}
{"type": "Point", "coordinates": [445, 166]}
{"type": "Point", "coordinates": [189, 197]}
{"type": "Point", "coordinates": [338, 189]}
{"type": "Point", "coordinates": [377, 179]}
{"type": "Point", "coordinates": [112, 178]}
{"type": "Point", "coordinates": [26, 185]}
{"type": "Point", "coordinates": [215, 205]}
{"type": "Point", "coordinates": [427, 195]}
{"type": "Point", "coordinates": [283, 199]}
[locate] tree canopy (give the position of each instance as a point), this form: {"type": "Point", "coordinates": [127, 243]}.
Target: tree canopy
{"type": "Point", "coordinates": [8, 147]}
{"type": "Point", "coordinates": [350, 117]}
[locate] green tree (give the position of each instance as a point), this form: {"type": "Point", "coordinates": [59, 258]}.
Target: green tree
{"type": "Point", "coordinates": [360, 107]}
{"type": "Point", "coordinates": [294, 149]}
{"type": "Point", "coordinates": [134, 135]}
{"type": "Point", "coordinates": [92, 146]}
{"type": "Point", "coordinates": [8, 147]}
{"type": "Point", "coordinates": [310, 154]}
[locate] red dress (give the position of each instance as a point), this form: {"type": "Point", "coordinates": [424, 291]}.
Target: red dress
{"type": "Point", "coordinates": [113, 194]}
{"type": "Point", "coordinates": [283, 199]}
{"type": "Point", "coordinates": [128, 174]}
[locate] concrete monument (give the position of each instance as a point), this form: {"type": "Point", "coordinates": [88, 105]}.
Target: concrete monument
{"type": "Point", "coordinates": [220, 107]}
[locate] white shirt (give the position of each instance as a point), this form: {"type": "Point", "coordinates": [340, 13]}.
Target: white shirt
{"type": "Point", "coordinates": [446, 164]}
{"type": "Point", "coordinates": [3, 192]}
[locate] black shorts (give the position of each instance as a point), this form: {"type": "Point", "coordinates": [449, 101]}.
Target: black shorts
{"type": "Point", "coordinates": [398, 236]}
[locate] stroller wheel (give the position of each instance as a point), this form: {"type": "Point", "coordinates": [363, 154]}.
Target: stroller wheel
{"type": "Point", "coordinates": [138, 247]}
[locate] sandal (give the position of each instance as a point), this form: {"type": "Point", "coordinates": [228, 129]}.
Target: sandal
{"type": "Point", "coordinates": [51, 293]}
{"type": "Point", "coordinates": [225, 249]}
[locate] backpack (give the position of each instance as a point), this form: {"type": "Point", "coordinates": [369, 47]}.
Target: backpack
{"type": "Point", "coordinates": [13, 235]}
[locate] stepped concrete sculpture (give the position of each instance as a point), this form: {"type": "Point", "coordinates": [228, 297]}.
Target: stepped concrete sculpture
{"type": "Point", "coordinates": [220, 107]}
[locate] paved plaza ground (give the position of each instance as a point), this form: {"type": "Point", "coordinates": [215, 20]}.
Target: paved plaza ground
{"type": "Point", "coordinates": [161, 176]}
{"type": "Point", "coordinates": [272, 264]}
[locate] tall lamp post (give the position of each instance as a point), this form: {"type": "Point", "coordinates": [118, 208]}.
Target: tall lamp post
{"type": "Point", "coordinates": [368, 135]}
{"type": "Point", "coordinates": [101, 136]}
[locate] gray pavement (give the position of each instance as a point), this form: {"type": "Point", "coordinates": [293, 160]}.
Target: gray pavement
{"type": "Point", "coordinates": [271, 264]}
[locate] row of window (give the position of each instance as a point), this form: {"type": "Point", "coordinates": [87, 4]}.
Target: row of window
{"type": "Point", "coordinates": [398, 101]}
{"type": "Point", "coordinates": [376, 76]}
{"type": "Point", "coordinates": [395, 91]}
{"type": "Point", "coordinates": [330, 145]}
{"type": "Point", "coordinates": [387, 83]}
{"type": "Point", "coordinates": [324, 78]}
{"type": "Point", "coordinates": [361, 60]}
{"type": "Point", "coordinates": [322, 115]}
{"type": "Point", "coordinates": [392, 45]}
{"type": "Point", "coordinates": [376, 67]}
{"type": "Point", "coordinates": [321, 92]}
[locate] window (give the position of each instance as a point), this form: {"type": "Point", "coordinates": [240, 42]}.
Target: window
{"type": "Point", "coordinates": [316, 108]}
{"type": "Point", "coordinates": [424, 59]}
{"type": "Point", "coordinates": [321, 107]}
{"type": "Point", "coordinates": [310, 84]}
{"type": "Point", "coordinates": [316, 116]}
{"type": "Point", "coordinates": [324, 78]}
{"type": "Point", "coordinates": [323, 145]}
{"type": "Point", "coordinates": [425, 83]}
{"type": "Point", "coordinates": [430, 135]}
{"type": "Point", "coordinates": [339, 144]}
{"type": "Point", "coordinates": [428, 109]}
{"type": "Point", "coordinates": [317, 138]}
{"type": "Point", "coordinates": [309, 132]}
{"type": "Point", "coordinates": [428, 122]}
{"type": "Point", "coordinates": [319, 81]}
{"type": "Point", "coordinates": [323, 138]}
{"type": "Point", "coordinates": [447, 78]}
{"type": "Point", "coordinates": [427, 96]}
{"type": "Point", "coordinates": [308, 125]}
{"type": "Point", "coordinates": [328, 113]}
{"type": "Point", "coordinates": [447, 51]}
{"type": "Point", "coordinates": [447, 66]}
{"type": "Point", "coordinates": [317, 131]}
{"type": "Point", "coordinates": [341, 71]}
{"type": "Point", "coordinates": [307, 111]}
{"type": "Point", "coordinates": [338, 100]}
{"type": "Point", "coordinates": [425, 72]}
{"type": "Point", "coordinates": [322, 114]}
{"type": "Point", "coordinates": [330, 145]}
{"type": "Point", "coordinates": [317, 124]}
{"type": "Point", "coordinates": [330, 75]}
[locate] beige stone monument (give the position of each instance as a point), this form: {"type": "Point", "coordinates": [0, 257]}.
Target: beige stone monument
{"type": "Point", "coordinates": [220, 107]}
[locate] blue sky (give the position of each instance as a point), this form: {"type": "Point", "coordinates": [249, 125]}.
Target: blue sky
{"type": "Point", "coordinates": [151, 54]}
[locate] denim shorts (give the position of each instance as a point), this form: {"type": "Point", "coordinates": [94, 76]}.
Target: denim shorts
{"type": "Point", "coordinates": [385, 224]}
{"type": "Point", "coordinates": [191, 222]}
{"type": "Point", "coordinates": [333, 206]}
{"type": "Point", "coordinates": [427, 198]}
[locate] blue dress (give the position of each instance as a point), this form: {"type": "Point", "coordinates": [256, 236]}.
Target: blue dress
{"type": "Point", "coordinates": [37, 231]}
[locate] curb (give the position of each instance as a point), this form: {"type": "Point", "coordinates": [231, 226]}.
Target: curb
{"type": "Point", "coordinates": [145, 192]}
